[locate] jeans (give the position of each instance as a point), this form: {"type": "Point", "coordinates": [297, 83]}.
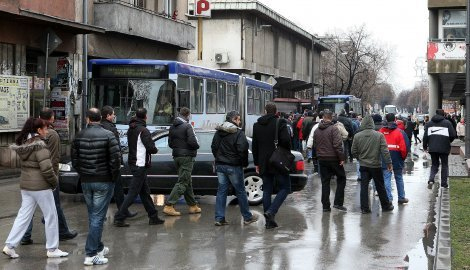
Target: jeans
{"type": "Point", "coordinates": [227, 175]}
{"type": "Point", "coordinates": [284, 185]}
{"type": "Point", "coordinates": [376, 174]}
{"type": "Point", "coordinates": [29, 201]}
{"type": "Point", "coordinates": [184, 185]}
{"type": "Point", "coordinates": [435, 167]}
{"type": "Point", "coordinates": [63, 228]}
{"type": "Point", "coordinates": [399, 181]}
{"type": "Point", "coordinates": [138, 186]}
{"type": "Point", "coordinates": [97, 197]}
{"type": "Point", "coordinates": [327, 169]}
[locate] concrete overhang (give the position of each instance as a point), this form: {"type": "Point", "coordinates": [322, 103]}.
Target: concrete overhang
{"type": "Point", "coordinates": [261, 9]}
{"type": "Point", "coordinates": [28, 16]}
{"type": "Point", "coordinates": [122, 18]}
{"type": "Point", "coordinates": [446, 3]}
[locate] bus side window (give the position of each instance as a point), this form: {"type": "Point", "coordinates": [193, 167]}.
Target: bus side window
{"type": "Point", "coordinates": [221, 96]}
{"type": "Point", "coordinates": [211, 96]}
{"type": "Point", "coordinates": [232, 97]}
{"type": "Point", "coordinates": [250, 105]}
{"type": "Point", "coordinates": [183, 92]}
{"type": "Point", "coordinates": [197, 95]}
{"type": "Point", "coordinates": [257, 101]}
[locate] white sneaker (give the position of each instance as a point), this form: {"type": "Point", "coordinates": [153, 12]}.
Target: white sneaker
{"type": "Point", "coordinates": [57, 253]}
{"type": "Point", "coordinates": [104, 252]}
{"type": "Point", "coordinates": [10, 252]}
{"type": "Point", "coordinates": [95, 260]}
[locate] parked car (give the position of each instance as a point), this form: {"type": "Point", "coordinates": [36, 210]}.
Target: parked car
{"type": "Point", "coordinates": [162, 175]}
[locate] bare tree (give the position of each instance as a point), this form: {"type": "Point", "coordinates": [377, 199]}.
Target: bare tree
{"type": "Point", "coordinates": [355, 64]}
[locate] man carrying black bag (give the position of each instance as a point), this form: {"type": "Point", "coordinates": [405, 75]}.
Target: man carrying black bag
{"type": "Point", "coordinates": [264, 131]}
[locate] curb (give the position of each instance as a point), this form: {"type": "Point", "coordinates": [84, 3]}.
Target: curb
{"type": "Point", "coordinates": [443, 261]}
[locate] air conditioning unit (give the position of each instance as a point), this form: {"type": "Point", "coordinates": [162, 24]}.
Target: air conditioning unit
{"type": "Point", "coordinates": [221, 58]}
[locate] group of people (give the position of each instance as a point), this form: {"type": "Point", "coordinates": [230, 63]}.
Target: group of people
{"type": "Point", "coordinates": [380, 149]}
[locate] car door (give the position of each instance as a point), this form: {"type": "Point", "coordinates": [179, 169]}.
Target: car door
{"type": "Point", "coordinates": [204, 177]}
{"type": "Point", "coordinates": [162, 175]}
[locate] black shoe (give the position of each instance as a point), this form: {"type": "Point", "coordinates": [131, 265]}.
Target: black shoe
{"type": "Point", "coordinates": [68, 236]}
{"type": "Point", "coordinates": [270, 223]}
{"type": "Point", "coordinates": [340, 208]}
{"type": "Point", "coordinates": [222, 222]}
{"type": "Point", "coordinates": [445, 185]}
{"type": "Point", "coordinates": [365, 211]}
{"type": "Point", "coordinates": [388, 209]}
{"type": "Point", "coordinates": [120, 223]}
{"type": "Point", "coordinates": [26, 241]}
{"type": "Point", "coordinates": [327, 209]}
{"type": "Point", "coordinates": [131, 215]}
{"type": "Point", "coordinates": [155, 220]}
{"type": "Point", "coordinates": [431, 182]}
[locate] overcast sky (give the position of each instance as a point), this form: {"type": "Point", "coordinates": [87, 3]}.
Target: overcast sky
{"type": "Point", "coordinates": [401, 25]}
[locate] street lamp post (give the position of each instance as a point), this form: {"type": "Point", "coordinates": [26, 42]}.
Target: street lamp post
{"type": "Point", "coordinates": [312, 93]}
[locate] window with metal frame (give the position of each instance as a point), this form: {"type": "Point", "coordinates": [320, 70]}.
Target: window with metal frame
{"type": "Point", "coordinates": [250, 104]}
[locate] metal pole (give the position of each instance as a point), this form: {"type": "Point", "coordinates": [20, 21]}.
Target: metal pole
{"type": "Point", "coordinates": [45, 72]}
{"type": "Point", "coordinates": [199, 38]}
{"type": "Point", "coordinates": [85, 66]}
{"type": "Point", "coordinates": [313, 74]}
{"type": "Point", "coordinates": [467, 88]}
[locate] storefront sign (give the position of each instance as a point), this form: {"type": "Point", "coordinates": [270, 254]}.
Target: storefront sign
{"type": "Point", "coordinates": [446, 50]}
{"type": "Point", "coordinates": [14, 102]}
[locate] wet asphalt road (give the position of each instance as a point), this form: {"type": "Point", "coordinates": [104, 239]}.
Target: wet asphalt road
{"type": "Point", "coordinates": [306, 239]}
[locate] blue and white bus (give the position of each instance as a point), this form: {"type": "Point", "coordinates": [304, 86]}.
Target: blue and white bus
{"type": "Point", "coordinates": [336, 103]}
{"type": "Point", "coordinates": [162, 87]}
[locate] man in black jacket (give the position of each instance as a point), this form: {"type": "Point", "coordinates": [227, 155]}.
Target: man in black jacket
{"type": "Point", "coordinates": [107, 122]}
{"type": "Point", "coordinates": [95, 156]}
{"type": "Point", "coordinates": [264, 131]}
{"type": "Point", "coordinates": [438, 135]}
{"type": "Point", "coordinates": [230, 149]}
{"type": "Point", "coordinates": [184, 143]}
{"type": "Point", "coordinates": [141, 148]}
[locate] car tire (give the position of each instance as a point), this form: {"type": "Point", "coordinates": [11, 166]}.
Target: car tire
{"type": "Point", "coordinates": [254, 188]}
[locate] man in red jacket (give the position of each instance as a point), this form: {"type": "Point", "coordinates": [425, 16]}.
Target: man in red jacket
{"type": "Point", "coordinates": [398, 146]}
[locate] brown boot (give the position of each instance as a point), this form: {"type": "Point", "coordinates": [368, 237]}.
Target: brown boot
{"type": "Point", "coordinates": [194, 209]}
{"type": "Point", "coordinates": [170, 211]}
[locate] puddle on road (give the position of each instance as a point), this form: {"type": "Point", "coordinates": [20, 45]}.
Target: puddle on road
{"type": "Point", "coordinates": [422, 256]}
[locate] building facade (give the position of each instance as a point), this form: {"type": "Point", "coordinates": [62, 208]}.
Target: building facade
{"type": "Point", "coordinates": [446, 52]}
{"type": "Point", "coordinates": [247, 37]}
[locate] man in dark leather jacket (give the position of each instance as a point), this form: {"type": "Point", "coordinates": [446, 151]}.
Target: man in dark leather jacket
{"type": "Point", "coordinates": [107, 118]}
{"type": "Point", "coordinates": [264, 131]}
{"type": "Point", "coordinates": [141, 148]}
{"type": "Point", "coordinates": [230, 149]}
{"type": "Point", "coordinates": [96, 157]}
{"type": "Point", "coordinates": [184, 143]}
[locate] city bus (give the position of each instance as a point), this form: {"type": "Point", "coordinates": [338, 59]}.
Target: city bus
{"type": "Point", "coordinates": [162, 87]}
{"type": "Point", "coordinates": [336, 103]}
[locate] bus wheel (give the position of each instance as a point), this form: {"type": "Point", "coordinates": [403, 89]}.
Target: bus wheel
{"type": "Point", "coordinates": [254, 188]}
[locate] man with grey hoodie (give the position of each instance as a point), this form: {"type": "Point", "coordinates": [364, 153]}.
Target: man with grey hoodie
{"type": "Point", "coordinates": [230, 149]}
{"type": "Point", "coordinates": [369, 147]}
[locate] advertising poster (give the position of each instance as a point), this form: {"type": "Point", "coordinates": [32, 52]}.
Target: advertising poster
{"type": "Point", "coordinates": [59, 104]}
{"type": "Point", "coordinates": [14, 102]}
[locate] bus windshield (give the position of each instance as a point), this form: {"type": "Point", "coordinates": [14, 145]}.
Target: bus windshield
{"type": "Point", "coordinates": [390, 109]}
{"type": "Point", "coordinates": [126, 95]}
{"type": "Point", "coordinates": [333, 107]}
